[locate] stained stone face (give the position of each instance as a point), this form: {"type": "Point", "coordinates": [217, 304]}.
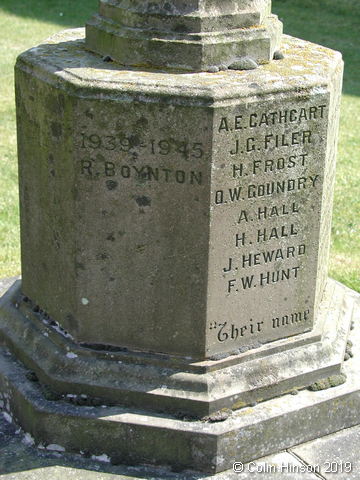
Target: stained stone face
{"type": "Point", "coordinates": [184, 215]}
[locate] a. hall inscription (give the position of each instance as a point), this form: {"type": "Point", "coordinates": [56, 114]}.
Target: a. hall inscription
{"type": "Point", "coordinates": [266, 198]}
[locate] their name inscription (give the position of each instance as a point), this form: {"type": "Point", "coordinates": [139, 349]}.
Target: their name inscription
{"type": "Point", "coordinates": [230, 331]}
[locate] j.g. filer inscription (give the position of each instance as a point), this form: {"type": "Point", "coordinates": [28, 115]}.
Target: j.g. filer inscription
{"type": "Point", "coordinates": [267, 182]}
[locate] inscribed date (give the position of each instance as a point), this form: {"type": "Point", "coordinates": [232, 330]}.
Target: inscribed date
{"type": "Point", "coordinates": [186, 149]}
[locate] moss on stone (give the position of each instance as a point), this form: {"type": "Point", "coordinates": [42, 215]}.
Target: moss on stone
{"type": "Point", "coordinates": [219, 416]}
{"type": "Point", "coordinates": [348, 351]}
{"type": "Point", "coordinates": [329, 382]}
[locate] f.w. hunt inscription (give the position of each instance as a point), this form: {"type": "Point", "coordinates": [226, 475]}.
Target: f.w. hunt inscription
{"type": "Point", "coordinates": [267, 183]}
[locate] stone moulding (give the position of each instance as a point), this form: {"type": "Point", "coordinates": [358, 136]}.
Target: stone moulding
{"type": "Point", "coordinates": [130, 435]}
{"type": "Point", "coordinates": [196, 36]}
{"type": "Point", "coordinates": [174, 384]}
{"type": "Point", "coordinates": [194, 52]}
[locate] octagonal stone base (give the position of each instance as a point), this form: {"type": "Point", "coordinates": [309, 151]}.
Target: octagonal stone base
{"type": "Point", "coordinates": [175, 384]}
{"type": "Point", "coordinates": [197, 35]}
{"type": "Point", "coordinates": [134, 435]}
{"type": "Point", "coordinates": [176, 214]}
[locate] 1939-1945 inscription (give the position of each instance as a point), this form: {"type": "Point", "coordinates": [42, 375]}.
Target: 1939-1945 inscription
{"type": "Point", "coordinates": [184, 156]}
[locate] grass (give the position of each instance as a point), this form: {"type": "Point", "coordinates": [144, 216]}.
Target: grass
{"type": "Point", "coordinates": [328, 22]}
{"type": "Point", "coordinates": [23, 24]}
{"type": "Point", "coordinates": [337, 25]}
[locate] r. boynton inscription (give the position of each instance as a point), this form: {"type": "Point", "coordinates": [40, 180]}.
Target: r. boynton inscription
{"type": "Point", "coordinates": [266, 200]}
{"type": "Point", "coordinates": [154, 155]}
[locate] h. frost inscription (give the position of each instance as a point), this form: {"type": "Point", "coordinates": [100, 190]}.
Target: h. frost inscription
{"type": "Point", "coordinates": [266, 198]}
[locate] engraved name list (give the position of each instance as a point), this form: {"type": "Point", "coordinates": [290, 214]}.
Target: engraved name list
{"type": "Point", "coordinates": [267, 183]}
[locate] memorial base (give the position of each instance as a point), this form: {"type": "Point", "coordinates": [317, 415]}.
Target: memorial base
{"type": "Point", "coordinates": [173, 384]}
{"type": "Point", "coordinates": [130, 435]}
{"type": "Point", "coordinates": [183, 214]}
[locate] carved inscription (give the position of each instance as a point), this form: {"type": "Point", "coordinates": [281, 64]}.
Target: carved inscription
{"type": "Point", "coordinates": [154, 156]}
{"type": "Point", "coordinates": [132, 143]}
{"type": "Point", "coordinates": [266, 201]}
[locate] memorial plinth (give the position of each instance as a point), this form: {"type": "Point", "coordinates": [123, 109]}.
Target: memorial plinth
{"type": "Point", "coordinates": [175, 228]}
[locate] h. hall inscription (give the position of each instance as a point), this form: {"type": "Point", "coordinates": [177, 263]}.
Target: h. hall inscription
{"type": "Point", "coordinates": [266, 199]}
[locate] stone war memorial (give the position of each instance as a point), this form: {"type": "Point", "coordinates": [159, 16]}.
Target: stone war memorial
{"type": "Point", "coordinates": [176, 168]}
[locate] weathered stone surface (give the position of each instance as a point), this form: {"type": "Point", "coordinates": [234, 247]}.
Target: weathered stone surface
{"type": "Point", "coordinates": [128, 435]}
{"type": "Point", "coordinates": [337, 455]}
{"type": "Point", "coordinates": [19, 460]}
{"type": "Point", "coordinates": [167, 383]}
{"type": "Point", "coordinates": [194, 35]}
{"type": "Point", "coordinates": [180, 214]}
